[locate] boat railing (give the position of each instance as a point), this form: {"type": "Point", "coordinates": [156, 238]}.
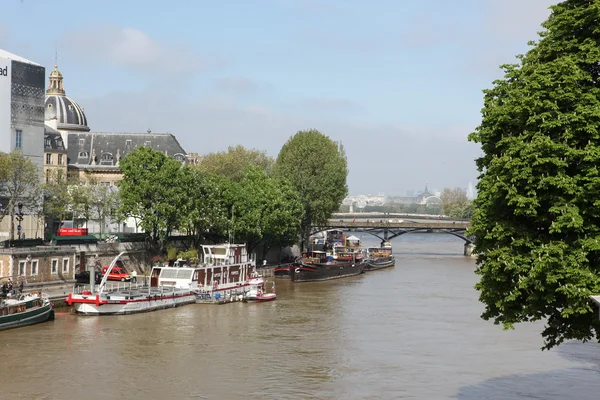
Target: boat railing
{"type": "Point", "coordinates": [79, 288]}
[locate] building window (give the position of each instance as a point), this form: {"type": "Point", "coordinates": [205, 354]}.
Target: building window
{"type": "Point", "coordinates": [59, 176]}
{"type": "Point", "coordinates": [34, 267]}
{"type": "Point", "coordinates": [148, 143]}
{"type": "Point", "coordinates": [65, 268]}
{"type": "Point", "coordinates": [83, 154]}
{"type": "Point", "coordinates": [54, 267]}
{"type": "Point", "coordinates": [47, 176]}
{"type": "Point", "coordinates": [48, 142]}
{"type": "Point", "coordinates": [59, 144]}
{"type": "Point", "coordinates": [128, 143]}
{"type": "Point", "coordinates": [60, 159]}
{"type": "Point", "coordinates": [81, 142]}
{"type": "Point", "coordinates": [22, 268]}
{"type": "Point", "coordinates": [48, 158]}
{"type": "Point", "coordinates": [18, 139]}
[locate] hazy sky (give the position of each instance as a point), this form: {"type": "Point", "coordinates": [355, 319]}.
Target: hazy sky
{"type": "Point", "coordinates": [397, 81]}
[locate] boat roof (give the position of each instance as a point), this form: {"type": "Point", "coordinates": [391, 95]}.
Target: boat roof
{"type": "Point", "coordinates": [352, 238]}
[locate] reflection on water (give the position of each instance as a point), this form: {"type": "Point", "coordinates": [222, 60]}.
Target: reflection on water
{"type": "Point", "coordinates": [411, 332]}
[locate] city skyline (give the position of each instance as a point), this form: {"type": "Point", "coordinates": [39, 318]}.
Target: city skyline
{"type": "Point", "coordinates": [214, 79]}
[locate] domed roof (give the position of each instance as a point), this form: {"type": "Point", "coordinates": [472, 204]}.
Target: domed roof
{"type": "Point", "coordinates": [68, 114]}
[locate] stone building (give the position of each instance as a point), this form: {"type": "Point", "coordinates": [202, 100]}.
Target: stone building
{"type": "Point", "coordinates": [55, 156]}
{"type": "Point", "coordinates": [38, 264]}
{"type": "Point", "coordinates": [96, 155]}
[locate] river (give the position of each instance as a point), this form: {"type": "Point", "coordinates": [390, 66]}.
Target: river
{"type": "Point", "coordinates": [411, 332]}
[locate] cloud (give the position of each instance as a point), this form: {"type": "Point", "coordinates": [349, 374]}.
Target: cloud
{"type": "Point", "coordinates": [4, 34]}
{"type": "Point", "coordinates": [133, 49]}
{"type": "Point", "coordinates": [323, 104]}
{"type": "Point", "coordinates": [240, 85]}
{"type": "Point", "coordinates": [375, 151]}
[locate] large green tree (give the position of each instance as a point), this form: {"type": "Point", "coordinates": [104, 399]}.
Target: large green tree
{"type": "Point", "coordinates": [268, 212]}
{"type": "Point", "coordinates": [206, 213]}
{"type": "Point", "coordinates": [233, 162]}
{"type": "Point", "coordinates": [151, 191]}
{"type": "Point", "coordinates": [317, 168]}
{"type": "Point", "coordinates": [537, 217]}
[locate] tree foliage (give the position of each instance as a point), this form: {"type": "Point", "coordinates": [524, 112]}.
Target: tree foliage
{"type": "Point", "coordinates": [19, 184]}
{"type": "Point", "coordinates": [151, 191]}
{"type": "Point", "coordinates": [206, 212]}
{"type": "Point", "coordinates": [233, 163]}
{"type": "Point", "coordinates": [267, 211]}
{"type": "Point", "coordinates": [455, 203]}
{"type": "Point", "coordinates": [317, 168]}
{"type": "Point", "coordinates": [537, 217]}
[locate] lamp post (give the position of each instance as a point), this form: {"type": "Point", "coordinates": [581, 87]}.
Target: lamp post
{"type": "Point", "coordinates": [19, 218]}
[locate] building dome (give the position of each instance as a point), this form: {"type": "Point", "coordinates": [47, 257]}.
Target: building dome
{"type": "Point", "coordinates": [64, 110]}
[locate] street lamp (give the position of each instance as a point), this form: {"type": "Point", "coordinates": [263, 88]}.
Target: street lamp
{"type": "Point", "coordinates": [19, 217]}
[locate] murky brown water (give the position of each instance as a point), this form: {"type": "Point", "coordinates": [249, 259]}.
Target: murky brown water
{"type": "Point", "coordinates": [412, 332]}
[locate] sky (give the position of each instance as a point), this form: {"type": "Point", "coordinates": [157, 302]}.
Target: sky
{"type": "Point", "coordinates": [398, 82]}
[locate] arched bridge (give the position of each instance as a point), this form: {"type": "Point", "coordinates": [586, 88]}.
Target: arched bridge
{"type": "Point", "coordinates": [390, 229]}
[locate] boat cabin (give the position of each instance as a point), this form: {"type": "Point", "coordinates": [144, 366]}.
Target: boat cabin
{"type": "Point", "coordinates": [180, 276]}
{"type": "Point", "coordinates": [16, 306]}
{"type": "Point", "coordinates": [379, 252]}
{"type": "Point", "coordinates": [224, 254]}
{"type": "Point", "coordinates": [314, 257]}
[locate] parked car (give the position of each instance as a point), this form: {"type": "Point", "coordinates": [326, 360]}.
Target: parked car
{"type": "Point", "coordinates": [118, 273]}
{"type": "Point", "coordinates": [84, 277]}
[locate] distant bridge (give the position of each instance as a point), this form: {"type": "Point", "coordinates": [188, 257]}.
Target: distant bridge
{"type": "Point", "coordinates": [389, 229]}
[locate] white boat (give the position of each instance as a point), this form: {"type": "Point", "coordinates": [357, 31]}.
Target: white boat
{"type": "Point", "coordinates": [169, 287]}
{"type": "Point", "coordinates": [227, 270]}
{"type": "Point", "coordinates": [258, 294]}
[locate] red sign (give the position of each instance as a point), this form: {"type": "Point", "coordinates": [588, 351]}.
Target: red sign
{"type": "Point", "coordinates": [72, 232]}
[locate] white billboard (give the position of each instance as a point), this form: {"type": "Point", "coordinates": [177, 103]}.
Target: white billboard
{"type": "Point", "coordinates": [5, 111]}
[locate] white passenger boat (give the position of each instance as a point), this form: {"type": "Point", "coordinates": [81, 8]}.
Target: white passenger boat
{"type": "Point", "coordinates": [226, 270]}
{"type": "Point", "coordinates": [169, 287]}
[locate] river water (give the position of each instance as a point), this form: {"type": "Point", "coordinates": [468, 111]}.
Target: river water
{"type": "Point", "coordinates": [411, 332]}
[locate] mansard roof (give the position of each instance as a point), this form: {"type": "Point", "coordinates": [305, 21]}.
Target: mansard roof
{"type": "Point", "coordinates": [53, 140]}
{"type": "Point", "coordinates": [108, 148]}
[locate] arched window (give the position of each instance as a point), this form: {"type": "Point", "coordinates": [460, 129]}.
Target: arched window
{"type": "Point", "coordinates": [83, 154]}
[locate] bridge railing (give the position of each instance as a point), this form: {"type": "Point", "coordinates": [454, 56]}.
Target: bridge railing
{"type": "Point", "coordinates": [405, 224]}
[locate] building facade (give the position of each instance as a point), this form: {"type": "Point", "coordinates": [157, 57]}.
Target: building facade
{"type": "Point", "coordinates": [55, 157]}
{"type": "Point", "coordinates": [22, 106]}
